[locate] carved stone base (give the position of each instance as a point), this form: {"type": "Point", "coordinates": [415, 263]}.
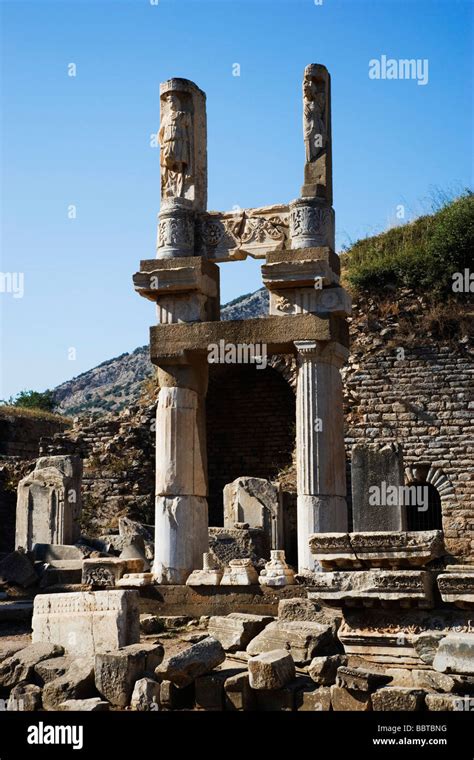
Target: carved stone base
{"type": "Point", "coordinates": [240, 572]}
{"type": "Point", "coordinates": [311, 223]}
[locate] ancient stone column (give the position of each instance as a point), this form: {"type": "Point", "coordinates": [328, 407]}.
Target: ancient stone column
{"type": "Point", "coordinates": [320, 462]}
{"type": "Point", "coordinates": [181, 514]}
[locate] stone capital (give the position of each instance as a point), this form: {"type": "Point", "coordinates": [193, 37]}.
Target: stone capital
{"type": "Point", "coordinates": [328, 352]}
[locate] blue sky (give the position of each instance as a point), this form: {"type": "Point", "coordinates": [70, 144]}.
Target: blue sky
{"type": "Point", "coordinates": [85, 140]}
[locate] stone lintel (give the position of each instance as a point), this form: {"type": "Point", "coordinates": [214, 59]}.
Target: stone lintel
{"type": "Point", "coordinates": [277, 334]}
{"type": "Point", "coordinates": [368, 587]}
{"type": "Point", "coordinates": [457, 588]}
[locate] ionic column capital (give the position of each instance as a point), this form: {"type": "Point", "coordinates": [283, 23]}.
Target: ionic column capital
{"type": "Point", "coordinates": [327, 352]}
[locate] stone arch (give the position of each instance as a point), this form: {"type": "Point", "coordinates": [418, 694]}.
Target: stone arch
{"type": "Point", "coordinates": [440, 493]}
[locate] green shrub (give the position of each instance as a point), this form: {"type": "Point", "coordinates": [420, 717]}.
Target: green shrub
{"type": "Point", "coordinates": [33, 400]}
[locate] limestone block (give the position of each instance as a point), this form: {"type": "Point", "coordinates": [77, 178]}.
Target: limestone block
{"type": "Point", "coordinates": [431, 680]}
{"type": "Point", "coordinates": [181, 536]}
{"type": "Point", "coordinates": [240, 572]}
{"type": "Point", "coordinates": [49, 502]}
{"type": "Point", "coordinates": [17, 568]}
{"type": "Point", "coordinates": [426, 645]}
{"type": "Point", "coordinates": [397, 699]}
{"type": "Point", "coordinates": [373, 465]}
{"type": "Point", "coordinates": [24, 697]}
{"type": "Point", "coordinates": [290, 274]}
{"type": "Point", "coordinates": [445, 702]}
{"type": "Point", "coordinates": [457, 588]}
{"type": "Point", "coordinates": [308, 610]}
{"type": "Point", "coordinates": [238, 693]}
{"type": "Point", "coordinates": [146, 695]}
{"type": "Point", "coordinates": [323, 670]}
{"type": "Point", "coordinates": [60, 552]}
{"type": "Point", "coordinates": [455, 654]}
{"type": "Point", "coordinates": [21, 665]}
{"type": "Point", "coordinates": [210, 575]}
{"type": "Point", "coordinates": [183, 668]}
{"type": "Point", "coordinates": [93, 704]}
{"type": "Point", "coordinates": [359, 679]}
{"type": "Point", "coordinates": [257, 502]}
{"type": "Point", "coordinates": [76, 683]}
{"type": "Point", "coordinates": [209, 689]}
{"type": "Point", "coordinates": [286, 699]}
{"type": "Point", "coordinates": [407, 587]}
{"type": "Point", "coordinates": [116, 672]}
{"type": "Point", "coordinates": [135, 580]}
{"type": "Point", "coordinates": [304, 640]}
{"type": "Point", "coordinates": [87, 622]}
{"type": "Point", "coordinates": [277, 572]}
{"type": "Point", "coordinates": [334, 300]}
{"type": "Point", "coordinates": [107, 571]}
{"type": "Point", "coordinates": [235, 631]}
{"type": "Point", "coordinates": [271, 670]}
{"type": "Point", "coordinates": [150, 624]}
{"type": "Point", "coordinates": [67, 571]}
{"type": "Point", "coordinates": [377, 549]}
{"type": "Point", "coordinates": [343, 700]}
{"type": "Point", "coordinates": [318, 700]}
{"type": "Point", "coordinates": [47, 670]}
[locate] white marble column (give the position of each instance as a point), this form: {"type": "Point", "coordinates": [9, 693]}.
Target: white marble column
{"type": "Point", "coordinates": [181, 514]}
{"type": "Point", "coordinates": [320, 453]}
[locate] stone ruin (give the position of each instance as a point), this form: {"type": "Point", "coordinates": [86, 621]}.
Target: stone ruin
{"type": "Point", "coordinates": [374, 617]}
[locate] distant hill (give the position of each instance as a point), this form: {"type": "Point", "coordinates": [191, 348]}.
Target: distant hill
{"type": "Point", "coordinates": [118, 382]}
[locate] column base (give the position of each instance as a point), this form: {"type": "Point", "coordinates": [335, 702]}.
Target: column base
{"type": "Point", "coordinates": [318, 514]}
{"type": "Point", "coordinates": [181, 537]}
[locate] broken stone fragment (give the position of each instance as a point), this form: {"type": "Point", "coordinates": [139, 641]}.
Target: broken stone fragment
{"type": "Point", "coordinates": [24, 697]}
{"type": "Point", "coordinates": [17, 568]}
{"type": "Point", "coordinates": [304, 640]}
{"type": "Point", "coordinates": [150, 624]}
{"type": "Point", "coordinates": [447, 702]}
{"type": "Point", "coordinates": [455, 654]}
{"type": "Point", "coordinates": [21, 665]}
{"type": "Point", "coordinates": [323, 670]}
{"type": "Point", "coordinates": [235, 631]}
{"type": "Point", "coordinates": [47, 670]}
{"type": "Point", "coordinates": [116, 672]}
{"type": "Point", "coordinates": [238, 694]}
{"type": "Point", "coordinates": [94, 704]}
{"type": "Point", "coordinates": [209, 689]}
{"type": "Point", "coordinates": [343, 699]}
{"type": "Point", "coordinates": [173, 698]}
{"type": "Point", "coordinates": [397, 699]}
{"type": "Point", "coordinates": [316, 700]}
{"type": "Point", "coordinates": [76, 683]}
{"type": "Point", "coordinates": [271, 670]}
{"type": "Point", "coordinates": [360, 679]}
{"type": "Point", "coordinates": [146, 695]}
{"type": "Point", "coordinates": [183, 668]}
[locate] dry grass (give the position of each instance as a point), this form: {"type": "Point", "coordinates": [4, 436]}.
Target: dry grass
{"type": "Point", "coordinates": [7, 410]}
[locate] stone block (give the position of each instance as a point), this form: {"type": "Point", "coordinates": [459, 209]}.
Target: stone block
{"type": "Point", "coordinates": [150, 624]}
{"type": "Point", "coordinates": [87, 622]}
{"type": "Point", "coordinates": [457, 588]}
{"type": "Point", "coordinates": [135, 580]}
{"type": "Point", "coordinates": [334, 300]}
{"type": "Point", "coordinates": [431, 680]}
{"type": "Point", "coordinates": [318, 700]}
{"type": "Point", "coordinates": [48, 670]}
{"type": "Point", "coordinates": [235, 631]}
{"type": "Point", "coordinates": [455, 654]}
{"type": "Point", "coordinates": [343, 700]}
{"type": "Point", "coordinates": [257, 502]}
{"type": "Point", "coordinates": [373, 466]}
{"type": "Point", "coordinates": [307, 610]}
{"type": "Point", "coordinates": [116, 672]}
{"type": "Point", "coordinates": [210, 575]}
{"type": "Point", "coordinates": [183, 668]}
{"type": "Point", "coordinates": [240, 572]}
{"type": "Point", "coordinates": [21, 665]}
{"type": "Point", "coordinates": [17, 568]}
{"type": "Point", "coordinates": [360, 679]}
{"type": "Point", "coordinates": [271, 670]}
{"type": "Point", "coordinates": [445, 703]}
{"type": "Point", "coordinates": [94, 704]}
{"type": "Point", "coordinates": [323, 670]}
{"type": "Point", "coordinates": [303, 640]}
{"type": "Point", "coordinates": [76, 683]}
{"type": "Point", "coordinates": [366, 587]}
{"type": "Point", "coordinates": [239, 696]}
{"type": "Point", "coordinates": [174, 698]}
{"type": "Point", "coordinates": [398, 699]}
{"type": "Point", "coordinates": [103, 572]}
{"type": "Point", "coordinates": [280, 275]}
{"type": "Point", "coordinates": [146, 695]}
{"type": "Point", "coordinates": [60, 552]}
{"type": "Point", "coordinates": [209, 689]}
{"type": "Point", "coordinates": [24, 697]}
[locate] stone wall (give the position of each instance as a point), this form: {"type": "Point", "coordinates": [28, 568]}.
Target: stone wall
{"type": "Point", "coordinates": [20, 434]}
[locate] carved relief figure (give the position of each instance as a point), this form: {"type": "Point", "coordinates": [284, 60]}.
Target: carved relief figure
{"type": "Point", "coordinates": [314, 127]}
{"type": "Point", "coordinates": [176, 148]}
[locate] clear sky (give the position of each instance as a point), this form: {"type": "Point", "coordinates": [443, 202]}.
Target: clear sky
{"type": "Point", "coordinates": [85, 141]}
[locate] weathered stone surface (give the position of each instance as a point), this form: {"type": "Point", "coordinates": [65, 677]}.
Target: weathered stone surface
{"type": "Point", "coordinates": [9, 647]}
{"type": "Point", "coordinates": [183, 668]}
{"type": "Point", "coordinates": [333, 300]}
{"type": "Point", "coordinates": [209, 689]}
{"type": "Point", "coordinates": [94, 704]}
{"type": "Point", "coordinates": [343, 699]}
{"type": "Point", "coordinates": [240, 572]}
{"type": "Point", "coordinates": [286, 699]}
{"type": "Point", "coordinates": [103, 572]}
{"type": "Point", "coordinates": [150, 624]}
{"type": "Point", "coordinates": [21, 665]}
{"type": "Point", "coordinates": [271, 670]}
{"type": "Point", "coordinates": [47, 670]}
{"type": "Point", "coordinates": [76, 683]}
{"type": "Point", "coordinates": [135, 580]}
{"type": "Point", "coordinates": [24, 697]}
{"type": "Point", "coordinates": [457, 588]}
{"type": "Point", "coordinates": [61, 572]}
{"type": "Point", "coordinates": [210, 575]}
{"type": "Point", "coordinates": [277, 572]}
{"type": "Point", "coordinates": [308, 610]}
{"type": "Point", "coordinates": [87, 622]}
{"type": "Point", "coordinates": [303, 640]}
{"type": "Point", "coordinates": [116, 672]}
{"type": "Point", "coordinates": [393, 698]}
{"type": "Point", "coordinates": [235, 631]}
{"type": "Point", "coordinates": [49, 502]}
{"type": "Point", "coordinates": [146, 695]}
{"type": "Point", "coordinates": [257, 502]}
{"type": "Point", "coordinates": [359, 679]}
{"type": "Point", "coordinates": [372, 466]}
{"type": "Point", "coordinates": [18, 569]}
{"type": "Point", "coordinates": [455, 654]}
{"type": "Point", "coordinates": [175, 559]}
{"type": "Point", "coordinates": [446, 702]}
{"type": "Point", "coordinates": [60, 552]}
{"type": "Point", "coordinates": [174, 698]}
{"type": "Point", "coordinates": [431, 680]}
{"type": "Point", "coordinates": [318, 700]}
{"type": "Point", "coordinates": [376, 548]}
{"type": "Point", "coordinates": [407, 587]}
{"type": "Point", "coordinates": [323, 670]}
{"type": "Point", "coordinates": [426, 645]}
{"type": "Point", "coordinates": [238, 693]}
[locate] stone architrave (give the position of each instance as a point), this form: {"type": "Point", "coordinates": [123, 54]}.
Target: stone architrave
{"type": "Point", "coordinates": [183, 163]}
{"type": "Point", "coordinates": [320, 452]}
{"type": "Point", "coordinates": [375, 467]}
{"type": "Point", "coordinates": [87, 622]}
{"type": "Point", "coordinates": [49, 503]}
{"type": "Point", "coordinates": [181, 513]}
{"type": "Point", "coordinates": [257, 502]}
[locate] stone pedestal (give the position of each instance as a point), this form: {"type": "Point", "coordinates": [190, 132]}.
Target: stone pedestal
{"type": "Point", "coordinates": [320, 458]}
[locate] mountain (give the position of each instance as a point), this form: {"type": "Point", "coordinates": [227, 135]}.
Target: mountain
{"type": "Point", "coordinates": [119, 382]}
